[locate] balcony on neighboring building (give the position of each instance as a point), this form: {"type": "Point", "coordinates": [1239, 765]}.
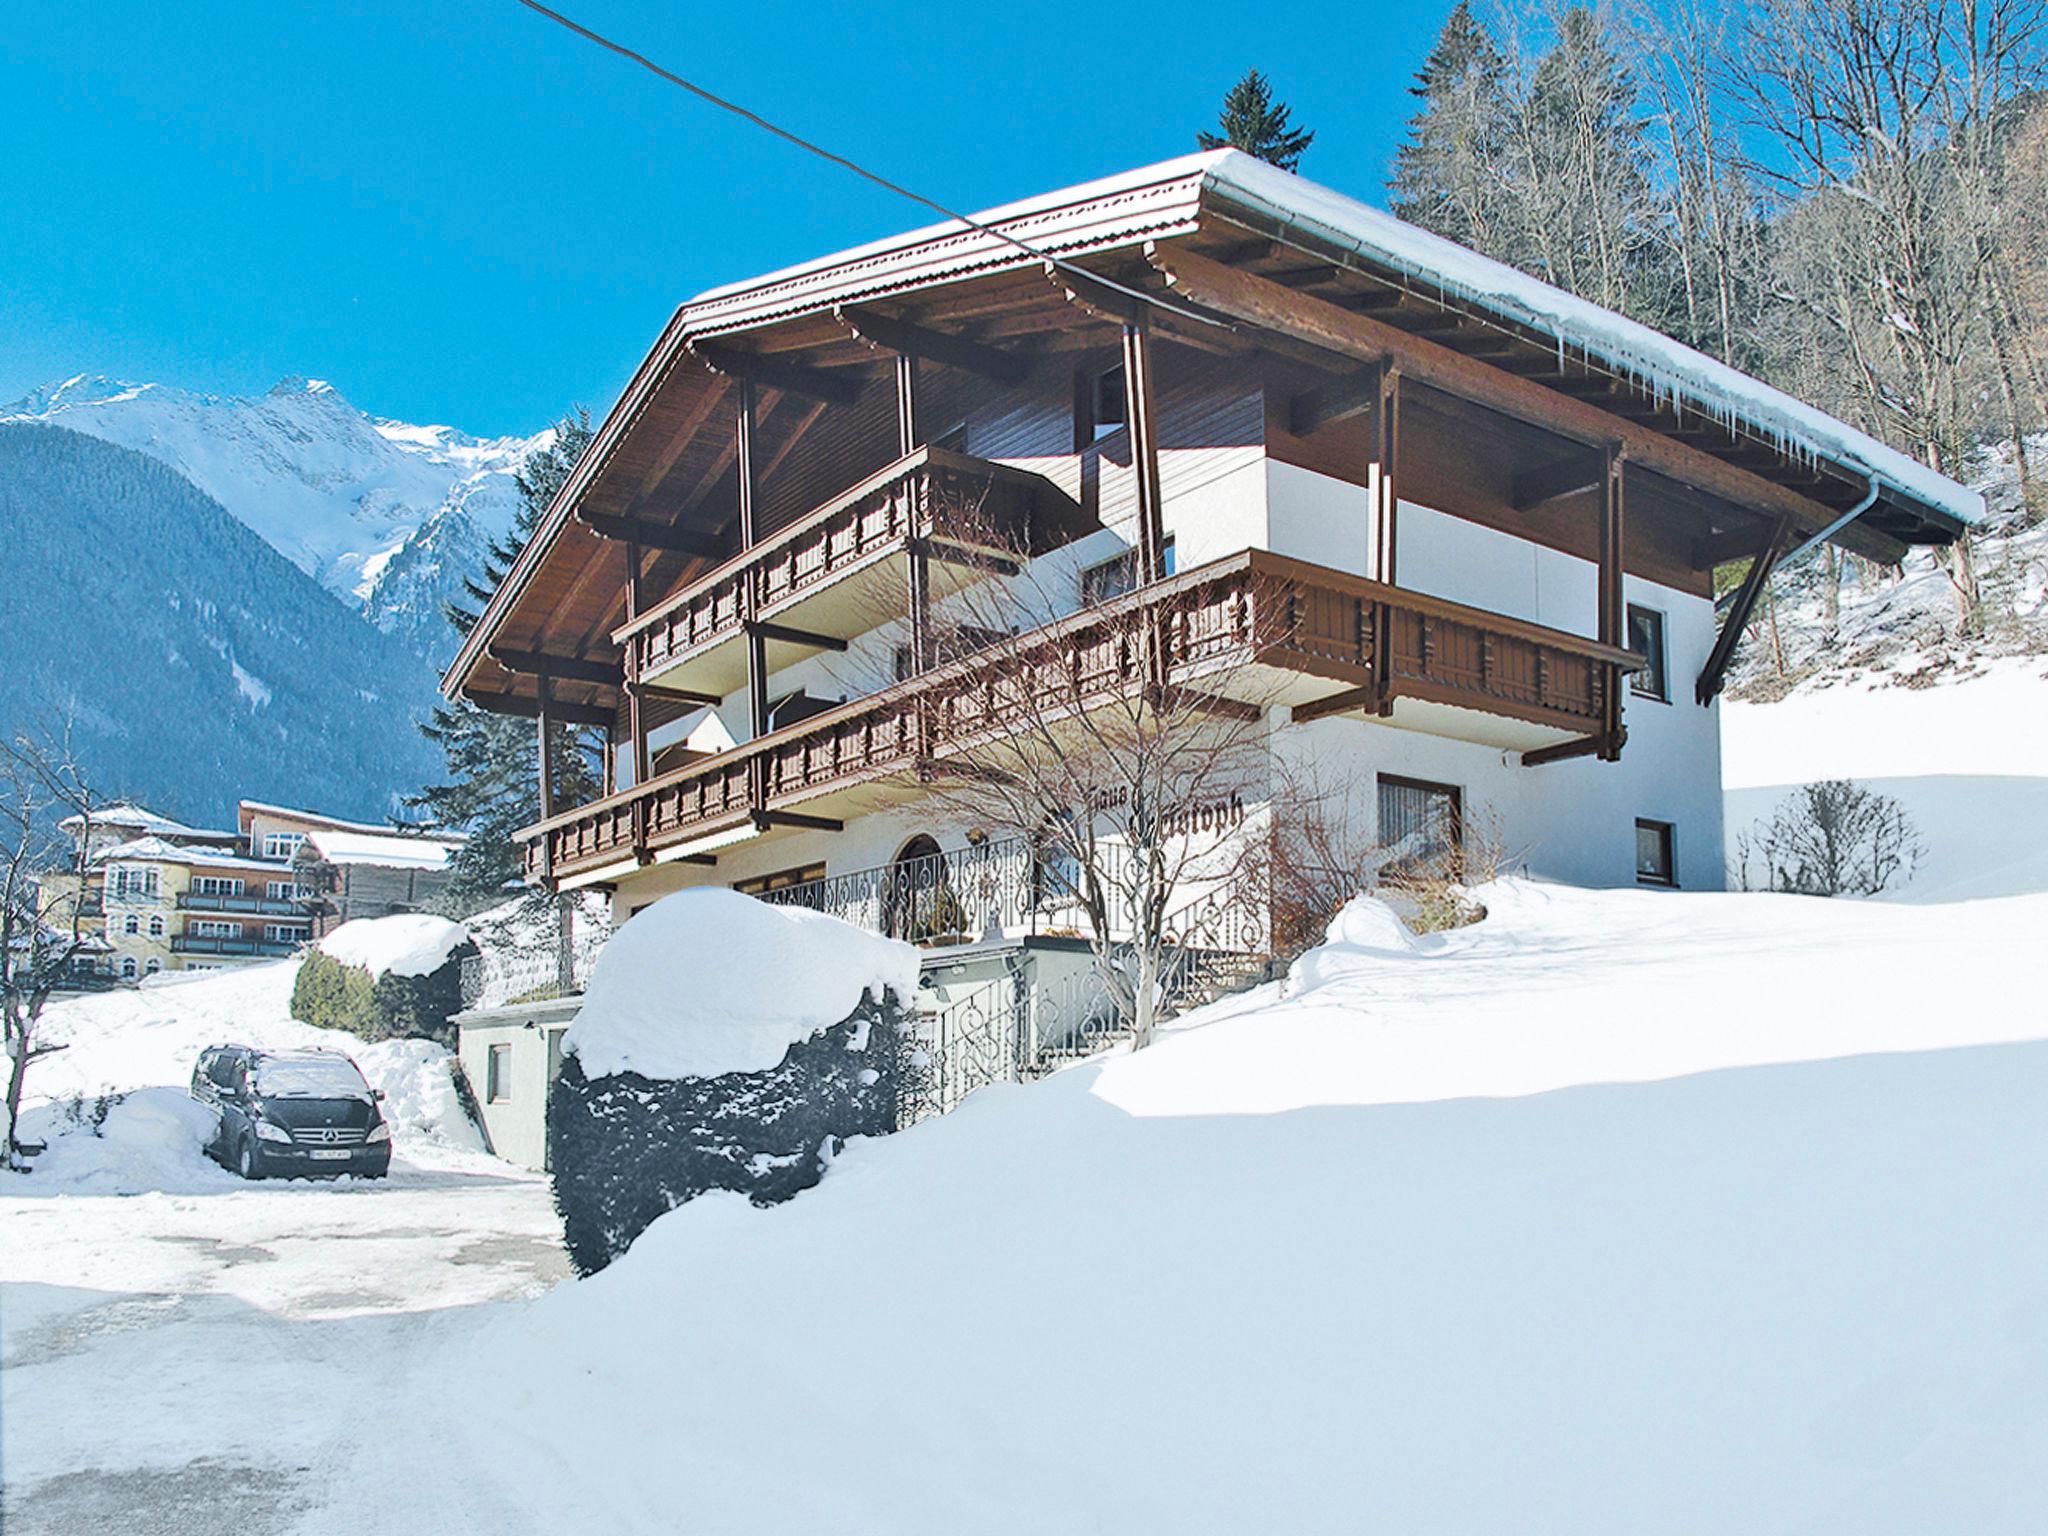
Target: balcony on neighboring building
{"type": "Point", "coordinates": [843, 568]}
{"type": "Point", "coordinates": [265, 949]}
{"type": "Point", "coordinates": [254, 906]}
{"type": "Point", "coordinates": [1256, 627]}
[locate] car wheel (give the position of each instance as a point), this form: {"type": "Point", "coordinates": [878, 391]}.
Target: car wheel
{"type": "Point", "coordinates": [245, 1159]}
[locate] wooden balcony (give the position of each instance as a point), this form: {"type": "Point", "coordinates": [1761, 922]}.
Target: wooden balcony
{"type": "Point", "coordinates": [1255, 627]}
{"type": "Point", "coordinates": [832, 574]}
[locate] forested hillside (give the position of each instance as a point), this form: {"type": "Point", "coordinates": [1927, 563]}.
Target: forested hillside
{"type": "Point", "coordinates": [190, 661]}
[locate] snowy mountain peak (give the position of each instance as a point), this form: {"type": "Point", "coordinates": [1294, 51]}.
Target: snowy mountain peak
{"type": "Point", "coordinates": [387, 515]}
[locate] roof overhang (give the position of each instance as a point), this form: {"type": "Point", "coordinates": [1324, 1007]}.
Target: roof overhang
{"type": "Point", "coordinates": [1108, 225]}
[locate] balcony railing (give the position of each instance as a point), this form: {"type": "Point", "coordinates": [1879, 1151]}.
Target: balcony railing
{"type": "Point", "coordinates": [1254, 610]}
{"type": "Point", "coordinates": [968, 511]}
{"type": "Point", "coordinates": [192, 944]}
{"type": "Point", "coordinates": [255, 906]}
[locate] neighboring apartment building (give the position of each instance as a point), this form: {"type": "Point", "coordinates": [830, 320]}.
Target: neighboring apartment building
{"type": "Point", "coordinates": [1462, 525]}
{"type": "Point", "coordinates": [162, 896]}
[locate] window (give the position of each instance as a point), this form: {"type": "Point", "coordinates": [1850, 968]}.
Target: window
{"type": "Point", "coordinates": [1656, 863]}
{"type": "Point", "coordinates": [132, 882]}
{"type": "Point", "coordinates": [1098, 404]}
{"type": "Point", "coordinates": [1116, 576]}
{"type": "Point", "coordinates": [781, 880]}
{"type": "Point", "coordinates": [213, 928]}
{"type": "Point", "coordinates": [217, 885]}
{"type": "Point", "coordinates": [155, 965]}
{"type": "Point", "coordinates": [279, 890]}
{"type": "Point", "coordinates": [287, 933]}
{"type": "Point", "coordinates": [951, 646]}
{"type": "Point", "coordinates": [1646, 639]}
{"type": "Point", "coordinates": [156, 926]}
{"type": "Point", "coordinates": [282, 845]}
{"type": "Point", "coordinates": [498, 1075]}
{"type": "Point", "coordinates": [1423, 824]}
{"type": "Point", "coordinates": [127, 967]}
{"type": "Point", "coordinates": [132, 924]}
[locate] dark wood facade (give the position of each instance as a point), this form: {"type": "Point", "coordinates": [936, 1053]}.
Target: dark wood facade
{"type": "Point", "coordinates": [795, 451]}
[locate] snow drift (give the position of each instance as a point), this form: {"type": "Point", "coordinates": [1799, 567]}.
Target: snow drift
{"type": "Point", "coordinates": [708, 981]}
{"type": "Point", "coordinates": [1614, 1212]}
{"type": "Point", "coordinates": [409, 944]}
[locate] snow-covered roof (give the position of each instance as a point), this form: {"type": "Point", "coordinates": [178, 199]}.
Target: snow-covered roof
{"type": "Point", "coordinates": [157, 850]}
{"type": "Point", "coordinates": [141, 821]}
{"type": "Point", "coordinates": [1159, 200]}
{"type": "Point", "coordinates": [1670, 369]}
{"type": "Point", "coordinates": [248, 809]}
{"type": "Point", "coordinates": [387, 849]}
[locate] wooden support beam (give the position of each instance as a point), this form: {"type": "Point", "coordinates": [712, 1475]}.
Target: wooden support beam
{"type": "Point", "coordinates": [652, 535]}
{"type": "Point", "coordinates": [528, 709]}
{"type": "Point", "coordinates": [763, 820]}
{"type": "Point", "coordinates": [908, 437]}
{"type": "Point", "coordinates": [1613, 627]}
{"type": "Point", "coordinates": [636, 725]}
{"type": "Point", "coordinates": [1333, 400]}
{"type": "Point", "coordinates": [668, 691]}
{"type": "Point", "coordinates": [947, 553]}
{"type": "Point", "coordinates": [910, 340]}
{"type": "Point", "coordinates": [917, 576]}
{"type": "Point", "coordinates": [1715, 672]}
{"type": "Point", "coordinates": [1572, 475]}
{"type": "Point", "coordinates": [757, 645]}
{"type": "Point", "coordinates": [1338, 703]}
{"type": "Point", "coordinates": [1141, 416]}
{"type": "Point", "coordinates": [572, 669]}
{"type": "Point", "coordinates": [830, 384]}
{"type": "Point", "coordinates": [543, 718]}
{"type": "Point", "coordinates": [1263, 303]}
{"type": "Point", "coordinates": [1584, 746]}
{"type": "Point", "coordinates": [765, 630]}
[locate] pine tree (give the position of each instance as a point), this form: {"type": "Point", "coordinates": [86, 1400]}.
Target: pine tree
{"type": "Point", "coordinates": [1253, 122]}
{"type": "Point", "coordinates": [492, 789]}
{"type": "Point", "coordinates": [1446, 175]}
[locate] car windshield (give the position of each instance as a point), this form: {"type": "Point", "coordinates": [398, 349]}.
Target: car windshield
{"type": "Point", "coordinates": [311, 1077]}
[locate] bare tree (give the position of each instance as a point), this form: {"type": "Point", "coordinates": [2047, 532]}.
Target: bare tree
{"type": "Point", "coordinates": [43, 897]}
{"type": "Point", "coordinates": [1125, 744]}
{"type": "Point", "coordinates": [1833, 838]}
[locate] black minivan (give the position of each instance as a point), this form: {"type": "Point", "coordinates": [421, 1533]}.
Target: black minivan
{"type": "Point", "coordinates": [292, 1113]}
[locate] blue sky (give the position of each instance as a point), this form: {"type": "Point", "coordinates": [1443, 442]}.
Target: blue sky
{"type": "Point", "coordinates": [457, 212]}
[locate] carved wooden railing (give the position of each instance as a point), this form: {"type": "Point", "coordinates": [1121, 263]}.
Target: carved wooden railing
{"type": "Point", "coordinates": [931, 494]}
{"type": "Point", "coordinates": [1208, 623]}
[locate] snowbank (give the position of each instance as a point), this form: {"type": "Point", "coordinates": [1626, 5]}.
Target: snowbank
{"type": "Point", "coordinates": [142, 1045]}
{"type": "Point", "coordinates": [1608, 1206]}
{"type": "Point", "coordinates": [1967, 759]}
{"type": "Point", "coordinates": [412, 944]}
{"type": "Point", "coordinates": [708, 981]}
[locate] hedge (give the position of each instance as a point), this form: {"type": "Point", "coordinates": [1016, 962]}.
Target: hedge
{"type": "Point", "coordinates": [625, 1149]}
{"type": "Point", "coordinates": [337, 996]}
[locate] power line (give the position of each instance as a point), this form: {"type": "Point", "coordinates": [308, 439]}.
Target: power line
{"type": "Point", "coordinates": [636, 57]}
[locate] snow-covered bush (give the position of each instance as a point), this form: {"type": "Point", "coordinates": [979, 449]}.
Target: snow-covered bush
{"type": "Point", "coordinates": [385, 978]}
{"type": "Point", "coordinates": [1832, 838]}
{"type": "Point", "coordinates": [724, 1044]}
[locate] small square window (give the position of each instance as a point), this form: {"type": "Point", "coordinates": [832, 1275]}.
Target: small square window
{"type": "Point", "coordinates": [1114, 577]}
{"type": "Point", "coordinates": [498, 1075]}
{"type": "Point", "coordinates": [1646, 639]}
{"type": "Point", "coordinates": [1656, 861]}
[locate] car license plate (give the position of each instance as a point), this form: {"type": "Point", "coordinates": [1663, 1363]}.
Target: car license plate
{"type": "Point", "coordinates": [327, 1155]}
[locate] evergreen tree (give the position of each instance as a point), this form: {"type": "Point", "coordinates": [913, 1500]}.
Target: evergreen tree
{"type": "Point", "coordinates": [1446, 176]}
{"type": "Point", "coordinates": [492, 788]}
{"type": "Point", "coordinates": [1253, 122]}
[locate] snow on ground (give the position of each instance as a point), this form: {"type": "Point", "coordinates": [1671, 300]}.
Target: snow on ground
{"type": "Point", "coordinates": [759, 979]}
{"type": "Point", "coordinates": [409, 944]}
{"type": "Point", "coordinates": [1616, 1212]}
{"type": "Point", "coordinates": [184, 1352]}
{"type": "Point", "coordinates": [1967, 758]}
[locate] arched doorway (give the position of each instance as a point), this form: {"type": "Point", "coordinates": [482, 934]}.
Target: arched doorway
{"type": "Point", "coordinates": [918, 903]}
